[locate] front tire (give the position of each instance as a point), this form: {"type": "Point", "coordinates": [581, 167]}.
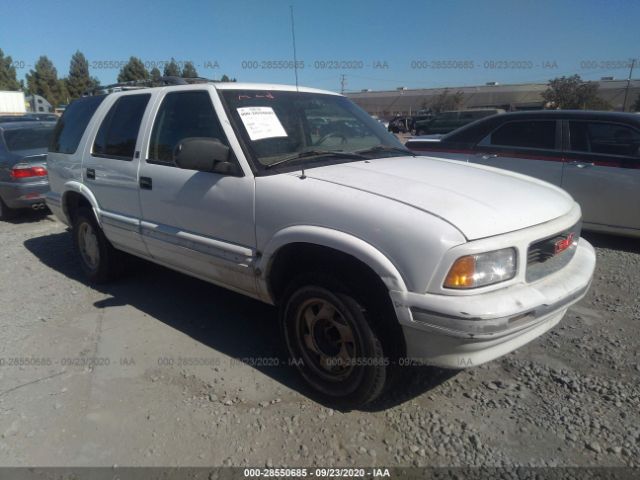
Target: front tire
{"type": "Point", "coordinates": [332, 341]}
{"type": "Point", "coordinates": [100, 262]}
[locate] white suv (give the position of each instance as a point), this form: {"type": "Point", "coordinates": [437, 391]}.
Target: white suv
{"type": "Point", "coordinates": [296, 197]}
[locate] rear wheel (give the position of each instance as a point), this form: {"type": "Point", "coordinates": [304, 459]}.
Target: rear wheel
{"type": "Point", "coordinates": [6, 213]}
{"type": "Point", "coordinates": [98, 259]}
{"type": "Point", "coordinates": [333, 341]}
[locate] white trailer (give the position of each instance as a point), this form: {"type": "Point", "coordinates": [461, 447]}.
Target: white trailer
{"type": "Point", "coordinates": [12, 102]}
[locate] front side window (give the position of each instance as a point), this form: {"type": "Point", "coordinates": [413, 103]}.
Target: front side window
{"type": "Point", "coordinates": [306, 128]}
{"type": "Point", "coordinates": [604, 138]}
{"type": "Point", "coordinates": [118, 132]}
{"type": "Point", "coordinates": [183, 115]}
{"type": "Point", "coordinates": [539, 134]}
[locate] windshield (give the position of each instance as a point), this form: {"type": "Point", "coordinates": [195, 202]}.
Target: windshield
{"type": "Point", "coordinates": [28, 138]}
{"type": "Point", "coordinates": [303, 128]}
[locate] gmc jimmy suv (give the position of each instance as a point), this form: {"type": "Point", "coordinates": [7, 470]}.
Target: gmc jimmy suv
{"type": "Point", "coordinates": [374, 256]}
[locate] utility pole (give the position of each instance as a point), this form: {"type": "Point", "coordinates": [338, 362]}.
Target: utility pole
{"type": "Point", "coordinates": [626, 90]}
{"type": "Point", "coordinates": [343, 83]}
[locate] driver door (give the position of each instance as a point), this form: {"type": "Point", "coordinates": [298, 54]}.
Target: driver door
{"type": "Point", "coordinates": [196, 221]}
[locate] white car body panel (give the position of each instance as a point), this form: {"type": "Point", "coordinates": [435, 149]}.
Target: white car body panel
{"type": "Point", "coordinates": [454, 192]}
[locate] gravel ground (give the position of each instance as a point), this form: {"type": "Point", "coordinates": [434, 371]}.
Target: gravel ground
{"type": "Point", "coordinates": [142, 372]}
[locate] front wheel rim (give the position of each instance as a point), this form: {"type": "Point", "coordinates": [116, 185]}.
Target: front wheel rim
{"type": "Point", "coordinates": [326, 340]}
{"type": "Point", "coordinates": [88, 245]}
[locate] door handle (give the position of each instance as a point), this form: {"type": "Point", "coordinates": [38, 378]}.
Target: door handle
{"type": "Point", "coordinates": [581, 164]}
{"type": "Point", "coordinates": [146, 183]}
{"type": "Point", "coordinates": [91, 174]}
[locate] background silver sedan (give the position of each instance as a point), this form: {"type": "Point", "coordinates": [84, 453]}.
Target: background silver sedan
{"type": "Point", "coordinates": [595, 156]}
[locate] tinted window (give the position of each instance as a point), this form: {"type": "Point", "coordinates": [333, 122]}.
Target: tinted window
{"type": "Point", "coordinates": [72, 124]}
{"type": "Point", "coordinates": [28, 138]}
{"type": "Point", "coordinates": [183, 115]}
{"type": "Point", "coordinates": [604, 138]}
{"type": "Point", "coordinates": [119, 130]}
{"type": "Point", "coordinates": [532, 134]}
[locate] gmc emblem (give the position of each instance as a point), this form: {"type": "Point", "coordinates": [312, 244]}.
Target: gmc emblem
{"type": "Point", "coordinates": [562, 244]}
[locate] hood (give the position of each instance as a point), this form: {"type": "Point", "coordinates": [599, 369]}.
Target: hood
{"type": "Point", "coordinates": [479, 201]}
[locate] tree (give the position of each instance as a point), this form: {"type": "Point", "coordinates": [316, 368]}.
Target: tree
{"type": "Point", "coordinates": [79, 80]}
{"type": "Point", "coordinates": [43, 80]}
{"type": "Point", "coordinates": [636, 106]}
{"type": "Point", "coordinates": [189, 70]}
{"type": "Point", "coordinates": [155, 76]}
{"type": "Point", "coordinates": [446, 101]}
{"type": "Point", "coordinates": [172, 69]}
{"type": "Point", "coordinates": [8, 79]}
{"type": "Point", "coordinates": [224, 78]}
{"type": "Point", "coordinates": [133, 70]}
{"type": "Point", "coordinates": [573, 93]}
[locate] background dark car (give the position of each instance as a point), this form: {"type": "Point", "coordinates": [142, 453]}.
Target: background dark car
{"type": "Point", "coordinates": [23, 167]}
{"type": "Point", "coordinates": [446, 122]}
{"type": "Point", "coordinates": [401, 124]}
{"type": "Point", "coordinates": [593, 155]}
{"type": "Point", "coordinates": [29, 117]}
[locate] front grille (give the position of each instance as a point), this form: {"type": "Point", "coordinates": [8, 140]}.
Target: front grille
{"type": "Point", "coordinates": [543, 257]}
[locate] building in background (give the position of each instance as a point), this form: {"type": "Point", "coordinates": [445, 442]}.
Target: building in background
{"type": "Point", "coordinates": [38, 104]}
{"type": "Point", "coordinates": [528, 96]}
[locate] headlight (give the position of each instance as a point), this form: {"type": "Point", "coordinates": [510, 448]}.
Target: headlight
{"type": "Point", "coordinates": [472, 271]}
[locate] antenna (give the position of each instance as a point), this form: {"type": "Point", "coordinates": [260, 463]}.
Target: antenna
{"type": "Point", "coordinates": [293, 36]}
{"type": "Point", "coordinates": [343, 82]}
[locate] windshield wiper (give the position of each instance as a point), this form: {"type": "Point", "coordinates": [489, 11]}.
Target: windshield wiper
{"type": "Point", "coordinates": [316, 153]}
{"type": "Point", "coordinates": [386, 148]}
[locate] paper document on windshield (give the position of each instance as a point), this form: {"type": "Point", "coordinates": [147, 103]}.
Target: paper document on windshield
{"type": "Point", "coordinates": [261, 122]}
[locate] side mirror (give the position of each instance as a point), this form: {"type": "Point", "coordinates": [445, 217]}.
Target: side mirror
{"type": "Point", "coordinates": [203, 154]}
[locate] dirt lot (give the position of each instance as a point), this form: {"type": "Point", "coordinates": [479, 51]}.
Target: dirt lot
{"type": "Point", "coordinates": [146, 372]}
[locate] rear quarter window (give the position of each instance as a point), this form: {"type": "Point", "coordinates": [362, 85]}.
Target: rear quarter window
{"type": "Point", "coordinates": [69, 129]}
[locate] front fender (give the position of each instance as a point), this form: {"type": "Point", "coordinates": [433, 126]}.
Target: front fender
{"type": "Point", "coordinates": [337, 240]}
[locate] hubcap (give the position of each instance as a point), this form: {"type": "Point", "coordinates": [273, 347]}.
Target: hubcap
{"type": "Point", "coordinates": [327, 341]}
{"type": "Point", "coordinates": [88, 244]}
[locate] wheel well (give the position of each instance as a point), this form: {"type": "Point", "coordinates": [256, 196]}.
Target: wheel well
{"type": "Point", "coordinates": [74, 201]}
{"type": "Point", "coordinates": [299, 258]}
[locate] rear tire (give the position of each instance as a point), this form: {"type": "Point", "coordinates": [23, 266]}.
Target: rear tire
{"type": "Point", "coordinates": [334, 341]}
{"type": "Point", "coordinates": [6, 213]}
{"type": "Point", "coordinates": [99, 260]}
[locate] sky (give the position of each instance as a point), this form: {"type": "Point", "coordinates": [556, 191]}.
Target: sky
{"type": "Point", "coordinates": [375, 44]}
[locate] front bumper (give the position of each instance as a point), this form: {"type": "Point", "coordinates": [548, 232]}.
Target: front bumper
{"type": "Point", "coordinates": [464, 331]}
{"type": "Point", "coordinates": [24, 195]}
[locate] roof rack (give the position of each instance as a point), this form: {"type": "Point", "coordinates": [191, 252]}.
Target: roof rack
{"type": "Point", "coordinates": [138, 84]}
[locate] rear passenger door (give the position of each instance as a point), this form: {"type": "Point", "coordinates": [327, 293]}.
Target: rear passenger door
{"type": "Point", "coordinates": [110, 169]}
{"type": "Point", "coordinates": [198, 221]}
{"type": "Point", "coordinates": [602, 172]}
{"type": "Point", "coordinates": [531, 147]}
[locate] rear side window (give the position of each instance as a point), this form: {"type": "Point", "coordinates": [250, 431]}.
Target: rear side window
{"type": "Point", "coordinates": [118, 132]}
{"type": "Point", "coordinates": [182, 115]}
{"type": "Point", "coordinates": [604, 138]}
{"type": "Point", "coordinates": [527, 134]}
{"type": "Point", "coordinates": [72, 124]}
{"type": "Point", "coordinates": [27, 138]}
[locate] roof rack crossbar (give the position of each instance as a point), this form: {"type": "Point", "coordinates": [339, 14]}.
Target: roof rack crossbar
{"type": "Point", "coordinates": [146, 83]}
